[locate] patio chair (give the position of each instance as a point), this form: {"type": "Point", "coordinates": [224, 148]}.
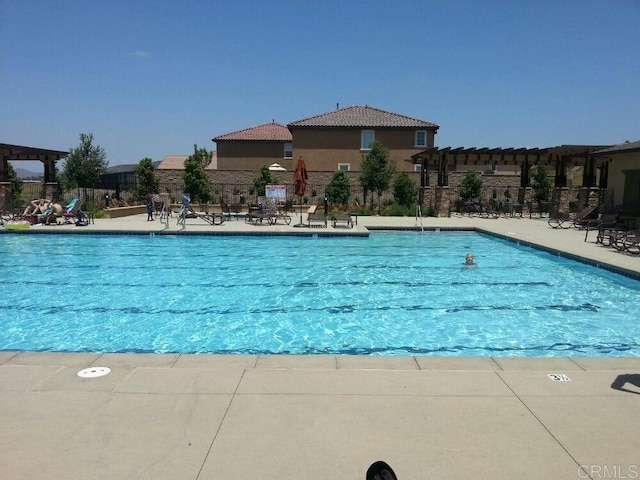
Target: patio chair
{"type": "Point", "coordinates": [343, 221]}
{"type": "Point", "coordinates": [317, 220]}
{"type": "Point", "coordinates": [571, 221]}
{"type": "Point", "coordinates": [256, 214]}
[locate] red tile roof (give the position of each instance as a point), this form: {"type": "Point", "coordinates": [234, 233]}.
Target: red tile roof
{"type": "Point", "coordinates": [363, 116]}
{"type": "Point", "coordinates": [267, 132]}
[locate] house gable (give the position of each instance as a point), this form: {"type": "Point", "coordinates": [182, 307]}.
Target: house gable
{"type": "Point", "coordinates": [251, 148]}
{"type": "Point", "coordinates": [339, 139]}
{"type": "Point", "coordinates": [362, 116]}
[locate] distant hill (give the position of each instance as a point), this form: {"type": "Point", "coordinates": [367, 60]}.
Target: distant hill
{"type": "Point", "coordinates": [31, 175]}
{"type": "Point", "coordinates": [28, 174]}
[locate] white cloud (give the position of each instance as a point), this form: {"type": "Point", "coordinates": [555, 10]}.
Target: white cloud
{"type": "Point", "coordinates": [140, 54]}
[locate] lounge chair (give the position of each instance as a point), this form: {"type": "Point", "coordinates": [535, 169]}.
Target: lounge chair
{"type": "Point", "coordinates": [343, 221]}
{"type": "Point", "coordinates": [71, 210]}
{"type": "Point", "coordinates": [186, 210]}
{"type": "Point", "coordinates": [605, 225]}
{"type": "Point", "coordinates": [628, 241]}
{"type": "Point", "coordinates": [212, 218]}
{"type": "Point", "coordinates": [256, 214]}
{"type": "Point", "coordinates": [317, 220]}
{"type": "Point", "coordinates": [571, 221]}
{"type": "Point", "coordinates": [271, 212]}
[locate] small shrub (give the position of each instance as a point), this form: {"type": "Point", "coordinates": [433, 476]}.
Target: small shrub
{"type": "Point", "coordinates": [397, 210]}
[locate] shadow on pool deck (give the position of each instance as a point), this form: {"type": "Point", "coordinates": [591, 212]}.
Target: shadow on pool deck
{"type": "Point", "coordinates": [312, 417]}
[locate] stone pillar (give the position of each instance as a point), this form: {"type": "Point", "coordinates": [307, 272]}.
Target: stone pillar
{"type": "Point", "coordinates": [559, 203]}
{"type": "Point", "coordinates": [49, 169]}
{"type": "Point", "coordinates": [525, 198]}
{"type": "Point", "coordinates": [442, 202]}
{"type": "Point", "coordinates": [4, 169]}
{"type": "Point", "coordinates": [5, 188]}
{"type": "Point", "coordinates": [49, 190]}
{"type": "Point", "coordinates": [588, 197]}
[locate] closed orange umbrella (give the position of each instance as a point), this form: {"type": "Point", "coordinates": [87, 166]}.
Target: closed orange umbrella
{"type": "Point", "coordinates": [300, 178]}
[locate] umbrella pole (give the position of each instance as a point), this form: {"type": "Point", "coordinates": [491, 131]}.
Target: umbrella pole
{"type": "Point", "coordinates": [300, 202]}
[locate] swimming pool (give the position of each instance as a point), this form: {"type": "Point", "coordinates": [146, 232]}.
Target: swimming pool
{"type": "Point", "coordinates": [402, 293]}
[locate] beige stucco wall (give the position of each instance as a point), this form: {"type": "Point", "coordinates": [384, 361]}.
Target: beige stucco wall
{"type": "Point", "coordinates": [620, 163]}
{"type": "Point", "coordinates": [250, 155]}
{"type": "Point", "coordinates": [342, 145]}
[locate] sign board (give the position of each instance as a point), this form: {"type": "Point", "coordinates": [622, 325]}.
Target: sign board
{"type": "Point", "coordinates": [279, 192]}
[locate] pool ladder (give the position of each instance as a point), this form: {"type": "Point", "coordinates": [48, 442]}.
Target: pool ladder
{"type": "Point", "coordinates": [164, 216]}
{"type": "Point", "coordinates": [419, 216]}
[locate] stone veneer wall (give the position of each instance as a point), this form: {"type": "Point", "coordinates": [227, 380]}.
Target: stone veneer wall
{"type": "Point", "coordinates": [440, 201]}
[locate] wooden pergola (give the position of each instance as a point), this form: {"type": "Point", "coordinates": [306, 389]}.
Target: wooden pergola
{"type": "Point", "coordinates": [556, 158]}
{"type": "Point", "coordinates": [19, 152]}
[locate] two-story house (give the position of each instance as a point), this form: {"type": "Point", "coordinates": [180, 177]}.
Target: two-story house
{"type": "Point", "coordinates": [338, 140]}
{"type": "Point", "coordinates": [254, 147]}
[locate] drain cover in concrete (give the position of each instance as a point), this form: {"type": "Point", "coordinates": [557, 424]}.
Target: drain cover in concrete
{"type": "Point", "coordinates": [558, 377]}
{"type": "Point", "coordinates": [94, 372]}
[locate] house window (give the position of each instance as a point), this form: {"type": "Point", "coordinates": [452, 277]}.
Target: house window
{"type": "Point", "coordinates": [421, 138]}
{"type": "Point", "coordinates": [288, 150]}
{"type": "Point", "coordinates": [344, 167]}
{"type": "Point", "coordinates": [367, 137]}
{"type": "Point", "coordinates": [417, 167]}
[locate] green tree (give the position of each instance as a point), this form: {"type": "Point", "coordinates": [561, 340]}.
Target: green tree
{"type": "Point", "coordinates": [339, 189]}
{"type": "Point", "coordinates": [404, 190]}
{"type": "Point", "coordinates": [196, 181]}
{"type": "Point", "coordinates": [377, 171]}
{"type": "Point", "coordinates": [541, 184]}
{"type": "Point", "coordinates": [15, 186]}
{"type": "Point", "coordinates": [147, 180]}
{"type": "Point", "coordinates": [85, 164]}
{"type": "Point", "coordinates": [260, 183]}
{"type": "Point", "coordinates": [470, 186]}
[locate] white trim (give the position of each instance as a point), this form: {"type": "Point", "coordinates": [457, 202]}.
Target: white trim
{"type": "Point", "coordinates": [341, 165]}
{"type": "Point", "coordinates": [415, 139]}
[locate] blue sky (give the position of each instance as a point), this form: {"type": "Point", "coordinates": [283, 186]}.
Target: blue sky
{"type": "Point", "coordinates": [151, 78]}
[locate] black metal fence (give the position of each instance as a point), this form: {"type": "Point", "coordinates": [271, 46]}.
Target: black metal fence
{"type": "Point", "coordinates": [244, 193]}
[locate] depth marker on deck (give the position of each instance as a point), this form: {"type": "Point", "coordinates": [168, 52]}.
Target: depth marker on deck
{"type": "Point", "coordinates": [94, 372]}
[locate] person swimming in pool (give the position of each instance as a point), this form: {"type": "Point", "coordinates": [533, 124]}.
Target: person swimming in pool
{"type": "Point", "coordinates": [469, 262]}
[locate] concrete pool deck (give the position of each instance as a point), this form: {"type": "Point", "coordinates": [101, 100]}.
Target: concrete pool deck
{"type": "Point", "coordinates": [316, 417]}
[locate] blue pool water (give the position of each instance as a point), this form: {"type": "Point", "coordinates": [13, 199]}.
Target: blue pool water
{"type": "Point", "coordinates": [389, 294]}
